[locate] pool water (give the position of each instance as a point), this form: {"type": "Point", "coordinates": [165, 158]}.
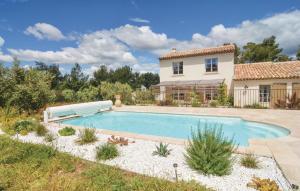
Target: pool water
{"type": "Point", "coordinates": [177, 126]}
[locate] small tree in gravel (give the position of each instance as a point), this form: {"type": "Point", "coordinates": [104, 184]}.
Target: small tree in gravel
{"type": "Point", "coordinates": [107, 151]}
{"type": "Point", "coordinates": [249, 161]}
{"type": "Point", "coordinates": [162, 150]}
{"type": "Point", "coordinates": [67, 131]}
{"type": "Point", "coordinates": [40, 130]}
{"type": "Point", "coordinates": [86, 136]}
{"type": "Point", "coordinates": [209, 152]}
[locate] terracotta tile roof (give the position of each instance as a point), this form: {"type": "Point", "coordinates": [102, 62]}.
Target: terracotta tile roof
{"type": "Point", "coordinates": [198, 52]}
{"type": "Point", "coordinates": [267, 70]}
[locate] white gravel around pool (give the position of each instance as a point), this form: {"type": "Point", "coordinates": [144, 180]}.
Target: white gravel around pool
{"type": "Point", "coordinates": [137, 157]}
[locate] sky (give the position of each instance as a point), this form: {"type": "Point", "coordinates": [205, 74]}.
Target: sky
{"type": "Point", "coordinates": [136, 32]}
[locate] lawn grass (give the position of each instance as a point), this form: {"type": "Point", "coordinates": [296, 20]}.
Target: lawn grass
{"type": "Point", "coordinates": [25, 166]}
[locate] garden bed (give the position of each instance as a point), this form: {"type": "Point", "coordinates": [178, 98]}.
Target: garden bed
{"type": "Point", "coordinates": [137, 157]}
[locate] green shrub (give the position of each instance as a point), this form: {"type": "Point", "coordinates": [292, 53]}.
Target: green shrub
{"type": "Point", "coordinates": [162, 150]}
{"type": "Point", "coordinates": [88, 135]}
{"type": "Point", "coordinates": [196, 103]}
{"type": "Point", "coordinates": [230, 101]}
{"type": "Point", "coordinates": [21, 126]}
{"type": "Point", "coordinates": [214, 103]}
{"type": "Point", "coordinates": [40, 130]}
{"type": "Point", "coordinates": [34, 92]}
{"type": "Point", "coordinates": [109, 90]}
{"type": "Point", "coordinates": [107, 151]}
{"type": "Point", "coordinates": [67, 131]}
{"type": "Point", "coordinates": [27, 125]}
{"type": "Point", "coordinates": [23, 132]}
{"type": "Point", "coordinates": [49, 137]}
{"type": "Point", "coordinates": [195, 99]}
{"type": "Point", "coordinates": [68, 95]}
{"type": "Point", "coordinates": [88, 94]}
{"type": "Point", "coordinates": [209, 152]}
{"type": "Point", "coordinates": [249, 161]}
{"type": "Point", "coordinates": [222, 94]}
{"type": "Point", "coordinates": [255, 106]}
{"type": "Point", "coordinates": [144, 97]}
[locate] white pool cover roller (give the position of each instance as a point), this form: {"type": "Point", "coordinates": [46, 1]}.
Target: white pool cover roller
{"type": "Point", "coordinates": [77, 109]}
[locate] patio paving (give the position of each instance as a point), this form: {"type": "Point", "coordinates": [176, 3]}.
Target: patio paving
{"type": "Point", "coordinates": [285, 150]}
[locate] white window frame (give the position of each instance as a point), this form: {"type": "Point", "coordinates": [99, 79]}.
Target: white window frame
{"type": "Point", "coordinates": [264, 93]}
{"type": "Point", "coordinates": [178, 96]}
{"type": "Point", "coordinates": [209, 62]}
{"type": "Point", "coordinates": [177, 66]}
{"type": "Point", "coordinates": [212, 93]}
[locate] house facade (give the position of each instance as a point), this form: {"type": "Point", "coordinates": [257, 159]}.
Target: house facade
{"type": "Point", "coordinates": [267, 84]}
{"type": "Point", "coordinates": [202, 71]}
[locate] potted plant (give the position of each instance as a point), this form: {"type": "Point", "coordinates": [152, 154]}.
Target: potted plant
{"type": "Point", "coordinates": [118, 102]}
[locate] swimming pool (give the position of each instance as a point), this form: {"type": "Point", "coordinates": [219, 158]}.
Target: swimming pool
{"type": "Point", "coordinates": [177, 126]}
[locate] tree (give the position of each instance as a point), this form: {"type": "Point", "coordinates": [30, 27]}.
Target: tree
{"type": "Point", "coordinates": [5, 86]}
{"type": "Point", "coordinates": [17, 72]}
{"type": "Point", "coordinates": [34, 92]}
{"type": "Point", "coordinates": [68, 95]}
{"type": "Point", "coordinates": [76, 79]}
{"type": "Point", "coordinates": [52, 69]}
{"type": "Point", "coordinates": [90, 93]}
{"type": "Point", "coordinates": [148, 79]}
{"type": "Point", "coordinates": [298, 54]}
{"type": "Point", "coordinates": [101, 75]}
{"type": "Point", "coordinates": [222, 93]}
{"type": "Point", "coordinates": [237, 52]}
{"type": "Point", "coordinates": [268, 50]}
{"type": "Point", "coordinates": [123, 75]}
{"type": "Point", "coordinates": [109, 90]}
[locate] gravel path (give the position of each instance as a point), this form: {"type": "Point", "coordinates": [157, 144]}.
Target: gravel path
{"type": "Point", "coordinates": [137, 157]}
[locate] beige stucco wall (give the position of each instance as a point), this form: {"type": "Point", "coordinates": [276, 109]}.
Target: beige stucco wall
{"type": "Point", "coordinates": [194, 69]}
{"type": "Point", "coordinates": [250, 95]}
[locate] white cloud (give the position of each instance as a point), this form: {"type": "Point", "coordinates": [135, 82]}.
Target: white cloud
{"type": "Point", "coordinates": [45, 31]}
{"type": "Point", "coordinates": [1, 41]}
{"type": "Point", "coordinates": [285, 26]}
{"type": "Point", "coordinates": [139, 20]}
{"type": "Point", "coordinates": [146, 67]}
{"type": "Point", "coordinates": [27, 66]}
{"type": "Point", "coordinates": [116, 47]}
{"type": "Point", "coordinates": [93, 48]}
{"type": "Point", "coordinates": [3, 57]}
{"type": "Point", "coordinates": [90, 71]}
{"type": "Point", "coordinates": [142, 38]}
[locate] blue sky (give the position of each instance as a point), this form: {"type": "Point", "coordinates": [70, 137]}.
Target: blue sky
{"type": "Point", "coordinates": [136, 32]}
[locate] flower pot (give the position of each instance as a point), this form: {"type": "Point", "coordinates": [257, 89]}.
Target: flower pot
{"type": "Point", "coordinates": [118, 102]}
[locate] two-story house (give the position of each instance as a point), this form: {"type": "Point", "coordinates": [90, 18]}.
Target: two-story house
{"type": "Point", "coordinates": [200, 70]}
{"type": "Point", "coordinates": [203, 70]}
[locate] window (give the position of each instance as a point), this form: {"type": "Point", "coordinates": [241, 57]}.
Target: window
{"type": "Point", "coordinates": [211, 94]}
{"type": "Point", "coordinates": [211, 65]}
{"type": "Point", "coordinates": [177, 68]}
{"type": "Point", "coordinates": [264, 93]}
{"type": "Point", "coordinates": [178, 96]}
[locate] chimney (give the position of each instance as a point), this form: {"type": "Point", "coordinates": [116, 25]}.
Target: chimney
{"type": "Point", "coordinates": [226, 43]}
{"type": "Point", "coordinates": [173, 49]}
